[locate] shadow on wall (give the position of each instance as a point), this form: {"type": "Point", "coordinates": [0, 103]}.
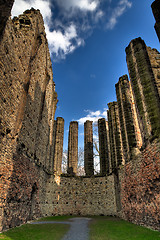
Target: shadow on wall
{"type": "Point", "coordinates": [29, 174]}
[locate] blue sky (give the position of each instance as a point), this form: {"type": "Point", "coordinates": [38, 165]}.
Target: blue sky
{"type": "Point", "coordinates": [87, 41]}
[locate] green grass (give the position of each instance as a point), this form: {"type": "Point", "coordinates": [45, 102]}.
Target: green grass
{"type": "Point", "coordinates": [110, 228]}
{"type": "Point", "coordinates": [36, 232]}
{"type": "Point", "coordinates": [55, 218]}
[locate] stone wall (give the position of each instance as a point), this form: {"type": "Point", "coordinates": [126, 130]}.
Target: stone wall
{"type": "Point", "coordinates": [140, 188]}
{"type": "Point", "coordinates": [27, 107]}
{"type": "Point", "coordinates": [81, 196]}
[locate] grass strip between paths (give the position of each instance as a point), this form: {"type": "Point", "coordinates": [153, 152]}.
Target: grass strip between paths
{"type": "Point", "coordinates": [110, 228]}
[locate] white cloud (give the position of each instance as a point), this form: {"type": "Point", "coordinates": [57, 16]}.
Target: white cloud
{"type": "Point", "coordinates": [62, 43]}
{"type": "Point", "coordinates": [92, 116]}
{"type": "Point", "coordinates": [84, 5]}
{"type": "Point", "coordinates": [117, 12]}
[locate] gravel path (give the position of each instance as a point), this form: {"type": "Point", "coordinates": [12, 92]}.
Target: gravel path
{"type": "Point", "coordinates": [78, 230]}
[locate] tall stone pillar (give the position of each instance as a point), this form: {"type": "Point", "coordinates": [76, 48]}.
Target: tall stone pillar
{"type": "Point", "coordinates": [154, 57]}
{"type": "Point", "coordinates": [109, 148]}
{"type": "Point", "coordinates": [144, 89]}
{"type": "Point", "coordinates": [117, 158]}
{"type": "Point", "coordinates": [156, 12]}
{"type": "Point", "coordinates": [73, 148]}
{"type": "Point", "coordinates": [88, 148]}
{"type": "Point", "coordinates": [103, 146]}
{"type": "Point", "coordinates": [126, 117]}
{"type": "Point", "coordinates": [58, 145]}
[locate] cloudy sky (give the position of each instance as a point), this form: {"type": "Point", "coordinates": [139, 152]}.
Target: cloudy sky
{"type": "Point", "coordinates": [87, 41]}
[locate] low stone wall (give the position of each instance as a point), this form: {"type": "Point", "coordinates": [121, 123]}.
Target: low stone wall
{"type": "Point", "coordinates": [80, 196]}
{"type": "Point", "coordinates": [140, 188]}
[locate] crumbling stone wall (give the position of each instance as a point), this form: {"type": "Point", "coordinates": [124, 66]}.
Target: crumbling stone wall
{"type": "Point", "coordinates": [140, 188]}
{"type": "Point", "coordinates": [27, 106]}
{"type": "Point", "coordinates": [88, 148]}
{"type": "Point", "coordinates": [73, 148]}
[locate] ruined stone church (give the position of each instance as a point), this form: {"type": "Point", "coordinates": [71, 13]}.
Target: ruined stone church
{"type": "Point", "coordinates": [31, 141]}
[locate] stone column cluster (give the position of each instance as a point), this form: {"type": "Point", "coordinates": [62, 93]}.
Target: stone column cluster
{"type": "Point", "coordinates": [134, 120]}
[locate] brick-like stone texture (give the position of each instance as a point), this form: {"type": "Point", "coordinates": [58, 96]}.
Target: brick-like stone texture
{"type": "Point", "coordinates": [103, 147]}
{"type": "Point", "coordinates": [73, 148]}
{"type": "Point", "coordinates": [81, 196]}
{"type": "Point", "coordinates": [27, 106]}
{"type": "Point", "coordinates": [115, 137]}
{"type": "Point", "coordinates": [58, 145]}
{"type": "Point", "coordinates": [140, 188]}
{"type": "Point", "coordinates": [156, 12]}
{"type": "Point", "coordinates": [144, 89]}
{"type": "Point", "coordinates": [88, 148]}
{"type": "Point", "coordinates": [154, 57]}
{"type": "Point", "coordinates": [128, 131]}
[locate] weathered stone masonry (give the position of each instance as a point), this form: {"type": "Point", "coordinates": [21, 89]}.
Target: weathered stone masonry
{"type": "Point", "coordinates": [103, 147]}
{"type": "Point", "coordinates": [27, 107]}
{"type": "Point", "coordinates": [73, 148]}
{"type": "Point", "coordinates": [58, 145]}
{"type": "Point", "coordinates": [144, 89]}
{"type": "Point", "coordinates": [115, 136]}
{"type": "Point", "coordinates": [88, 148]}
{"type": "Point", "coordinates": [31, 141]}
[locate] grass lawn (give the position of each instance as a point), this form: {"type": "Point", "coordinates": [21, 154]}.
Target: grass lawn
{"type": "Point", "coordinates": [55, 218]}
{"type": "Point", "coordinates": [38, 232]}
{"type": "Point", "coordinates": [110, 228]}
